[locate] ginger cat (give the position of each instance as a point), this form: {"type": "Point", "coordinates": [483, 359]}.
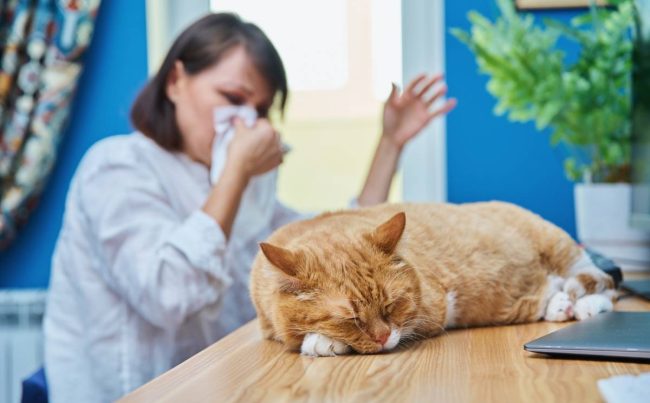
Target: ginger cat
{"type": "Point", "coordinates": [344, 281]}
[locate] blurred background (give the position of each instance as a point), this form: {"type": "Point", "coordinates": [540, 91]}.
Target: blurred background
{"type": "Point", "coordinates": [341, 57]}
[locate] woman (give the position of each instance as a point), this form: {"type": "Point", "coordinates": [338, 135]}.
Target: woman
{"type": "Point", "coordinates": [146, 272]}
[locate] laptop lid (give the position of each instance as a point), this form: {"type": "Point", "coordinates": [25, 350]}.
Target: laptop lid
{"type": "Point", "coordinates": [611, 334]}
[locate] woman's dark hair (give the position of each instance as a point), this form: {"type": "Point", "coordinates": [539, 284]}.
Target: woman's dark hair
{"type": "Point", "coordinates": [200, 46]}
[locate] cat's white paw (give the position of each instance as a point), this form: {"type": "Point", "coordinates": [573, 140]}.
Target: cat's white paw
{"type": "Point", "coordinates": [592, 305]}
{"type": "Point", "coordinates": [560, 308]}
{"type": "Point", "coordinates": [587, 279]}
{"type": "Point", "coordinates": [318, 345]}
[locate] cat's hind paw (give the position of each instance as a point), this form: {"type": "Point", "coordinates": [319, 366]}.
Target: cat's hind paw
{"type": "Point", "coordinates": [574, 288]}
{"type": "Point", "coordinates": [560, 308]}
{"type": "Point", "coordinates": [592, 305]}
{"type": "Point", "coordinates": [318, 345]}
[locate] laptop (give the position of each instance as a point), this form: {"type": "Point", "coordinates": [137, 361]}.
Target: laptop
{"type": "Point", "coordinates": [611, 334]}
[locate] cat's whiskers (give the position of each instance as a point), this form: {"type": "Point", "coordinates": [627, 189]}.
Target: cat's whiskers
{"type": "Point", "coordinates": [421, 319]}
{"type": "Point", "coordinates": [413, 336]}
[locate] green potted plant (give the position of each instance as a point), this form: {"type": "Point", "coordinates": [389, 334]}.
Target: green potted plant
{"type": "Point", "coordinates": [584, 102]}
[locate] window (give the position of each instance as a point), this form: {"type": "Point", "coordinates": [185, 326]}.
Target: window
{"type": "Point", "coordinates": [340, 57]}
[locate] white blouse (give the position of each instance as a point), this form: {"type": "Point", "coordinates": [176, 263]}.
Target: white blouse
{"type": "Point", "coordinates": [142, 278]}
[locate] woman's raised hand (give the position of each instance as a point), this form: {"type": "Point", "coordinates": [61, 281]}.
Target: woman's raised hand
{"type": "Point", "coordinates": [407, 113]}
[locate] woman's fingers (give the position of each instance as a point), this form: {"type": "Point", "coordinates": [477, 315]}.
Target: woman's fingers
{"type": "Point", "coordinates": [273, 155]}
{"type": "Point", "coordinates": [260, 146]}
{"type": "Point", "coordinates": [428, 84]}
{"type": "Point", "coordinates": [270, 163]}
{"type": "Point", "coordinates": [394, 93]}
{"type": "Point", "coordinates": [412, 84]}
{"type": "Point", "coordinates": [439, 93]}
{"type": "Point", "coordinates": [444, 109]}
{"type": "Point", "coordinates": [278, 140]}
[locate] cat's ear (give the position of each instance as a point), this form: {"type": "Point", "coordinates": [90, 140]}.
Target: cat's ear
{"type": "Point", "coordinates": [386, 236]}
{"type": "Point", "coordinates": [281, 258]}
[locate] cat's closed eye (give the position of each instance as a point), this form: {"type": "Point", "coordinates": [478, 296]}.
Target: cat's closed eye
{"type": "Point", "coordinates": [388, 308]}
{"type": "Point", "coordinates": [356, 321]}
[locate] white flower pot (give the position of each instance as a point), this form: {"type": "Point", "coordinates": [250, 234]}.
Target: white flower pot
{"type": "Point", "coordinates": [602, 218]}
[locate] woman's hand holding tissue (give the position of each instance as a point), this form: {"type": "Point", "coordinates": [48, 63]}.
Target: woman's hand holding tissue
{"type": "Point", "coordinates": [406, 114]}
{"type": "Point", "coordinates": [254, 150]}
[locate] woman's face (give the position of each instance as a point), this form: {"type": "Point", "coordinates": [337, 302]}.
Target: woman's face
{"type": "Point", "coordinates": [234, 80]}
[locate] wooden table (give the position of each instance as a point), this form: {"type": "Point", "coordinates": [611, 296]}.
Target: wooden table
{"type": "Point", "coordinates": [480, 365]}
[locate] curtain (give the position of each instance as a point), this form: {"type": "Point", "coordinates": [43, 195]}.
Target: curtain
{"type": "Point", "coordinates": [41, 48]}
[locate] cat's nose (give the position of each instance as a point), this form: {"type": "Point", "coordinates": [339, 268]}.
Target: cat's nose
{"type": "Point", "coordinates": [382, 338]}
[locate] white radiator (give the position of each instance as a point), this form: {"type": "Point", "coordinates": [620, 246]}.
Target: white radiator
{"type": "Point", "coordinates": [21, 339]}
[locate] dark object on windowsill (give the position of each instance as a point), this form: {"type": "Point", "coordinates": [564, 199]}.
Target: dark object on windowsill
{"type": "Point", "coordinates": [607, 265]}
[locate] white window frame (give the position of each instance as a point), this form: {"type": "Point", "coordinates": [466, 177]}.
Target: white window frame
{"type": "Point", "coordinates": [424, 161]}
{"type": "Point", "coordinates": [165, 20]}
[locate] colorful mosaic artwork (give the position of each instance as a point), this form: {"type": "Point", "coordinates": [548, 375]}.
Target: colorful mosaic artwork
{"type": "Point", "coordinates": [41, 48]}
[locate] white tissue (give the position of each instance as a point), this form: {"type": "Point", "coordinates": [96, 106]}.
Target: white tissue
{"type": "Point", "coordinates": [258, 201]}
{"type": "Point", "coordinates": [625, 388]}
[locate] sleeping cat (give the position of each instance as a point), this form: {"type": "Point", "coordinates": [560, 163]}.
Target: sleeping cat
{"type": "Point", "coordinates": [364, 280]}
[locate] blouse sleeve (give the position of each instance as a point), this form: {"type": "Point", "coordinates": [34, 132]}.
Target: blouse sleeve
{"type": "Point", "coordinates": [167, 267]}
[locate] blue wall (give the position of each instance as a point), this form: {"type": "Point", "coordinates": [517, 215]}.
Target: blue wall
{"type": "Point", "coordinates": [115, 69]}
{"type": "Point", "coordinates": [488, 156]}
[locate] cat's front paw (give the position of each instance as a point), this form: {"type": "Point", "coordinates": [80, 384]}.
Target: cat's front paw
{"type": "Point", "coordinates": [560, 308]}
{"type": "Point", "coordinates": [318, 345]}
{"type": "Point", "coordinates": [592, 305]}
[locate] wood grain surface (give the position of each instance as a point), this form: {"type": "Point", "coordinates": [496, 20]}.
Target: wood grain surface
{"type": "Point", "coordinates": [477, 365]}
